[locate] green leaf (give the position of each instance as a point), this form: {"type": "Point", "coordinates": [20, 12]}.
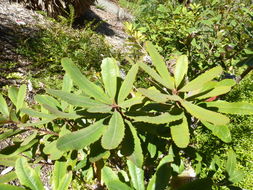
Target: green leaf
{"type": "Point", "coordinates": [19, 149]}
{"type": "Point", "coordinates": [8, 133]}
{"type": "Point", "coordinates": [48, 100]}
{"type": "Point", "coordinates": [127, 84]}
{"type": "Point", "coordinates": [112, 181]}
{"type": "Point", "coordinates": [137, 156]}
{"type": "Point", "coordinates": [241, 108]}
{"type": "Point", "coordinates": [80, 139]}
{"type": "Point", "coordinates": [52, 150]}
{"type": "Point", "coordinates": [41, 122]}
{"type": "Point", "coordinates": [65, 182]}
{"type": "Point", "coordinates": [108, 175]}
{"type": "Point", "coordinates": [130, 102]}
{"type": "Point", "coordinates": [13, 94]}
{"type": "Point", "coordinates": [60, 177]}
{"type": "Point", "coordinates": [34, 113]}
{"type": "Point", "coordinates": [154, 75]}
{"type": "Point", "coordinates": [137, 176]}
{"type": "Point", "coordinates": [180, 133]}
{"type": "Point", "coordinates": [110, 72]}
{"type": "Point", "coordinates": [160, 65]}
{"type": "Point", "coordinates": [221, 131]}
{"type": "Point", "coordinates": [21, 97]}
{"type": "Point", "coordinates": [60, 114]}
{"type": "Point", "coordinates": [103, 108]}
{"type": "Point", "coordinates": [74, 99]}
{"type": "Point", "coordinates": [27, 176]}
{"type": "Point", "coordinates": [198, 82]}
{"type": "Point", "coordinates": [154, 95]}
{"type": "Point", "coordinates": [67, 83]}
{"type": "Point", "coordinates": [181, 69]}
{"type": "Point", "coordinates": [116, 185]}
{"type": "Point", "coordinates": [217, 91]}
{"type": "Point", "coordinates": [3, 106]}
{"type": "Point", "coordinates": [10, 187]}
{"type": "Point", "coordinates": [8, 161]}
{"type": "Point", "coordinates": [163, 118]}
{"type": "Point", "coordinates": [83, 83]}
{"type": "Point", "coordinates": [231, 162]}
{"type": "Point", "coordinates": [29, 138]}
{"type": "Point", "coordinates": [8, 177]}
{"type": "Point", "coordinates": [236, 176]}
{"type": "Point", "coordinates": [204, 114]}
{"type": "Point", "coordinates": [161, 178]}
{"type": "Point", "coordinates": [114, 133]}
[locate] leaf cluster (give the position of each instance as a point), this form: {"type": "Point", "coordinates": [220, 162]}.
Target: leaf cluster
{"type": "Point", "coordinates": [88, 127]}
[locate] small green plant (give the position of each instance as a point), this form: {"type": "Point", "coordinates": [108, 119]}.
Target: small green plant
{"type": "Point", "coordinates": [108, 129]}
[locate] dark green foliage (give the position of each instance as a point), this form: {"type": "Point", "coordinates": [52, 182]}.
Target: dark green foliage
{"type": "Point", "coordinates": [209, 32]}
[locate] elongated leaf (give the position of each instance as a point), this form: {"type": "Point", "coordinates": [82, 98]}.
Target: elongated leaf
{"type": "Point", "coordinates": [100, 109]}
{"type": "Point", "coordinates": [198, 82]}
{"type": "Point", "coordinates": [29, 138]}
{"type": "Point", "coordinates": [48, 100]}
{"type": "Point", "coordinates": [217, 91]}
{"type": "Point", "coordinates": [80, 139]}
{"type": "Point", "coordinates": [127, 84]}
{"type": "Point", "coordinates": [65, 182]}
{"type": "Point", "coordinates": [108, 175]}
{"type": "Point", "coordinates": [34, 113]}
{"type": "Point", "coordinates": [137, 156]}
{"type": "Point", "coordinates": [180, 133]}
{"type": "Point", "coordinates": [67, 83]}
{"type": "Point", "coordinates": [39, 123]}
{"type": "Point", "coordinates": [60, 170]}
{"type": "Point", "coordinates": [241, 108]}
{"type": "Point", "coordinates": [181, 69]}
{"type": "Point", "coordinates": [21, 96]}
{"type": "Point", "coordinates": [8, 177]}
{"type": "Point", "coordinates": [159, 63]}
{"type": "Point", "coordinates": [116, 185]}
{"type": "Point", "coordinates": [110, 72]}
{"type": "Point", "coordinates": [19, 150]}
{"type": "Point", "coordinates": [221, 131]}
{"type": "Point", "coordinates": [204, 114]}
{"type": "Point", "coordinates": [161, 178]}
{"type": "Point", "coordinates": [9, 133]}
{"type": "Point", "coordinates": [27, 176]}
{"type": "Point", "coordinates": [60, 114]}
{"type": "Point", "coordinates": [137, 176]}
{"type": "Point", "coordinates": [74, 99]}
{"type": "Point", "coordinates": [112, 181]}
{"type": "Point", "coordinates": [231, 162]}
{"type": "Point", "coordinates": [9, 161]}
{"type": "Point", "coordinates": [3, 106]}
{"type": "Point", "coordinates": [154, 95]}
{"type": "Point", "coordinates": [114, 133]}
{"type": "Point", "coordinates": [155, 76]}
{"type": "Point", "coordinates": [10, 187]}
{"type": "Point", "coordinates": [13, 94]}
{"type": "Point", "coordinates": [88, 87]}
{"type": "Point", "coordinates": [130, 102]}
{"type": "Point", "coordinates": [163, 118]}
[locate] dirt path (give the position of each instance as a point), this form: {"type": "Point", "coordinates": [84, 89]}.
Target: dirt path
{"type": "Point", "coordinates": [17, 22]}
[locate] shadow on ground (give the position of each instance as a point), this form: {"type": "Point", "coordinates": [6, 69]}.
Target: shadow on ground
{"type": "Point", "coordinates": [100, 26]}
